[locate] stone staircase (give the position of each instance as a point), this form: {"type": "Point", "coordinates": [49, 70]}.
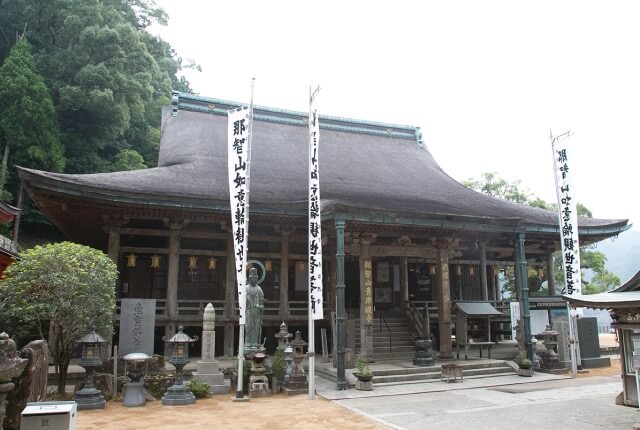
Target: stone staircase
{"type": "Point", "coordinates": [398, 328]}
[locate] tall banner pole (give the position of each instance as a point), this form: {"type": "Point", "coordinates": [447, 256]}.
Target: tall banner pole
{"type": "Point", "coordinates": [315, 238]}
{"type": "Point", "coordinates": [568, 221]}
{"type": "Point", "coordinates": [239, 152]}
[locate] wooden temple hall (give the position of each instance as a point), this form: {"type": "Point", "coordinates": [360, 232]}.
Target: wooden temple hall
{"type": "Point", "coordinates": [399, 233]}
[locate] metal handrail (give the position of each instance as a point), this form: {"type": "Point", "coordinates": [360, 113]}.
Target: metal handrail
{"type": "Point", "coordinates": [416, 318]}
{"type": "Point", "coordinates": [383, 319]}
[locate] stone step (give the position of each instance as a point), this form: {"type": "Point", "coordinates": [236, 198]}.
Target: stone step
{"type": "Point", "coordinates": [393, 329]}
{"type": "Point", "coordinates": [389, 321]}
{"type": "Point", "coordinates": [436, 379]}
{"type": "Point", "coordinates": [393, 356]}
{"type": "Point", "coordinates": [394, 348]}
{"type": "Point", "coordinates": [394, 340]}
{"type": "Point", "coordinates": [394, 345]}
{"type": "Point", "coordinates": [429, 373]}
{"type": "Point", "coordinates": [393, 332]}
{"type": "Point", "coordinates": [436, 368]}
{"type": "Point", "coordinates": [399, 336]}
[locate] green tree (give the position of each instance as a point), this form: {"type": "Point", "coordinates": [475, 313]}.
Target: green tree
{"type": "Point", "coordinates": [493, 185]}
{"type": "Point", "coordinates": [107, 75]}
{"type": "Point", "coordinates": [62, 289]}
{"type": "Point", "coordinates": [602, 280]}
{"type": "Point", "coordinates": [28, 122]}
{"type": "Point", "coordinates": [128, 159]}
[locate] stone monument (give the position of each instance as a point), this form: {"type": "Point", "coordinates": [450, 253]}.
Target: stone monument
{"type": "Point", "coordinates": [208, 368]}
{"type": "Point", "coordinates": [11, 366]}
{"type": "Point", "coordinates": [590, 344]}
{"type": "Point", "coordinates": [137, 325]}
{"type": "Point", "coordinates": [31, 385]}
{"type": "Point", "coordinates": [561, 326]}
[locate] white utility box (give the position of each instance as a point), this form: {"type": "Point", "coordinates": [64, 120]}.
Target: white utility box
{"type": "Point", "coordinates": [50, 416]}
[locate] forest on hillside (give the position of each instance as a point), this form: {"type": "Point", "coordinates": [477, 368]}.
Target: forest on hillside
{"type": "Point", "coordinates": [82, 84]}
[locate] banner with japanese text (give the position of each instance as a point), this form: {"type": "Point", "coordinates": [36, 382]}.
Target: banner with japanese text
{"type": "Point", "coordinates": [238, 152]}
{"type": "Point", "coordinates": [567, 215]}
{"type": "Point", "coordinates": [315, 229]}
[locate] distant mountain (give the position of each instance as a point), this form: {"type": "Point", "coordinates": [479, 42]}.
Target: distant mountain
{"type": "Point", "coordinates": [623, 254]}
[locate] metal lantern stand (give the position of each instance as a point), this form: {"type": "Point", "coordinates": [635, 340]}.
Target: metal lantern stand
{"type": "Point", "coordinates": [93, 349]}
{"type": "Point", "coordinates": [178, 393]}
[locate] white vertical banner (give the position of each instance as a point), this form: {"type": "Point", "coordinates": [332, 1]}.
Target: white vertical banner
{"type": "Point", "coordinates": [315, 228]}
{"type": "Point", "coordinates": [567, 215]}
{"type": "Point", "coordinates": [515, 318]}
{"type": "Point", "coordinates": [238, 165]}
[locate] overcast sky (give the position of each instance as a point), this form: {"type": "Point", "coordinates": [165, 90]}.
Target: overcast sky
{"type": "Point", "coordinates": [485, 80]}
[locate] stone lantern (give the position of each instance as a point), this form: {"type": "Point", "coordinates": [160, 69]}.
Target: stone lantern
{"type": "Point", "coordinates": [258, 382]}
{"type": "Point", "coordinates": [550, 358]}
{"type": "Point", "coordinates": [93, 352]}
{"type": "Point", "coordinates": [135, 370]}
{"type": "Point", "coordinates": [297, 382]}
{"type": "Point", "coordinates": [283, 336]}
{"type": "Point", "coordinates": [288, 358]}
{"type": "Point", "coordinates": [178, 345]}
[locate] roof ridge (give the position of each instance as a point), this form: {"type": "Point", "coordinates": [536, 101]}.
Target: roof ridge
{"type": "Point", "coordinates": [197, 103]}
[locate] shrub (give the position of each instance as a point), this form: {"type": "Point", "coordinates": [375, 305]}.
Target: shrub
{"type": "Point", "coordinates": [157, 383]}
{"type": "Point", "coordinates": [278, 365]}
{"type": "Point", "coordinates": [363, 366]}
{"type": "Point", "coordinates": [199, 389]}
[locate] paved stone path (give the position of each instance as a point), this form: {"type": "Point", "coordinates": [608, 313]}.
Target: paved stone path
{"type": "Point", "coordinates": [580, 404]}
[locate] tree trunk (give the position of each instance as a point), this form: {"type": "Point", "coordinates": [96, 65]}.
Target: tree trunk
{"type": "Point", "coordinates": [5, 161]}
{"type": "Point", "coordinates": [62, 356]}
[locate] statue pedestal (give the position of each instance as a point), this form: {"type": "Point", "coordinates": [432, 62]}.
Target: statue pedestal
{"type": "Point", "coordinates": [178, 395]}
{"type": "Point", "coordinates": [209, 372]}
{"type": "Point", "coordinates": [133, 394]}
{"type": "Point", "coordinates": [208, 369]}
{"type": "Point", "coordinates": [296, 384]}
{"type": "Point", "coordinates": [259, 386]}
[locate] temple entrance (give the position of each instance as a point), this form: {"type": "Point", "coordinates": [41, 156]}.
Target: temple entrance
{"type": "Point", "coordinates": [422, 282]}
{"type": "Point", "coordinates": [385, 290]}
{"type": "Point", "coordinates": [385, 279]}
{"type": "Point", "coordinates": [352, 282]}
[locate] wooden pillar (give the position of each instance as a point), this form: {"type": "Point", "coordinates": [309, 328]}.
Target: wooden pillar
{"type": "Point", "coordinates": [459, 279]}
{"type": "Point", "coordinates": [341, 379]}
{"type": "Point", "coordinates": [496, 282]}
{"type": "Point", "coordinates": [173, 268]}
{"type": "Point", "coordinates": [444, 298]}
{"type": "Point", "coordinates": [113, 224]}
{"type": "Point", "coordinates": [366, 300]}
{"type": "Point", "coordinates": [404, 282]}
{"type": "Point", "coordinates": [491, 283]}
{"type": "Point", "coordinates": [229, 300]}
{"type": "Point", "coordinates": [283, 311]}
{"type": "Point", "coordinates": [483, 271]}
{"type": "Point", "coordinates": [551, 275]}
{"type": "Point", "coordinates": [523, 287]}
{"type": "Point", "coordinates": [114, 242]}
{"type": "Point", "coordinates": [16, 219]}
{"type": "Point", "coordinates": [516, 275]}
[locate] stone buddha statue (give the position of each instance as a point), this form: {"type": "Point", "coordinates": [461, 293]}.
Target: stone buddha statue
{"type": "Point", "coordinates": [254, 310]}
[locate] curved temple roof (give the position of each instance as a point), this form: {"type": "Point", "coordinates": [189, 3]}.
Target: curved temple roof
{"type": "Point", "coordinates": [365, 167]}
